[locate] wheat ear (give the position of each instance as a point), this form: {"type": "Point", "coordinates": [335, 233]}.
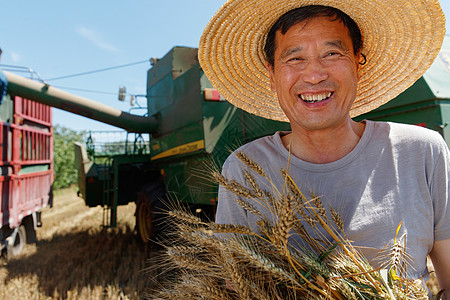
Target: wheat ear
{"type": "Point", "coordinates": [250, 163]}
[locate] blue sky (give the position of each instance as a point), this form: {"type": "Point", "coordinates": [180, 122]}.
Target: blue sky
{"type": "Point", "coordinates": [57, 38]}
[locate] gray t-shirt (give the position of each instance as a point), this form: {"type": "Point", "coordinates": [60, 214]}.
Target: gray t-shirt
{"type": "Point", "coordinates": [396, 173]}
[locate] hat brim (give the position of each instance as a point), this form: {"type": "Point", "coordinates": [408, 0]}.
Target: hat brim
{"type": "Point", "coordinates": [401, 40]}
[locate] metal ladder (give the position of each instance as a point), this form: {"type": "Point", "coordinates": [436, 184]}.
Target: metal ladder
{"type": "Point", "coordinates": [109, 218]}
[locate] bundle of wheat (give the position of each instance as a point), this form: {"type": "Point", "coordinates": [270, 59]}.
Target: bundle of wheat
{"type": "Point", "coordinates": [217, 261]}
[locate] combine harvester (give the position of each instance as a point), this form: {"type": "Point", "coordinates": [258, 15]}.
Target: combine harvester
{"type": "Point", "coordinates": [187, 125]}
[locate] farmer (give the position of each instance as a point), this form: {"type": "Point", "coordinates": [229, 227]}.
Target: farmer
{"type": "Point", "coordinates": [317, 66]}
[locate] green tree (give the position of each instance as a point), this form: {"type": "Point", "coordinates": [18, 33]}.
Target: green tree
{"type": "Point", "coordinates": [64, 155]}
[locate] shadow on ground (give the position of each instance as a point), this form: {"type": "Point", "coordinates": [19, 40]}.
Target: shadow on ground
{"type": "Point", "coordinates": [87, 259]}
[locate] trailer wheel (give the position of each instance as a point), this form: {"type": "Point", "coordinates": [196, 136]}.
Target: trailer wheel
{"type": "Point", "coordinates": [150, 212]}
{"type": "Point", "coordinates": [17, 245]}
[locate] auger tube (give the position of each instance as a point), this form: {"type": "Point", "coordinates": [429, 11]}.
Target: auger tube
{"type": "Point", "coordinates": [46, 94]}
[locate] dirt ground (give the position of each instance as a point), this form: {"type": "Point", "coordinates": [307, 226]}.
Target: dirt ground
{"type": "Point", "coordinates": [76, 259]}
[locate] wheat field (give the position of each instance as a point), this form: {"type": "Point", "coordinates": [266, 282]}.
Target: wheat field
{"type": "Point", "coordinates": [76, 259]}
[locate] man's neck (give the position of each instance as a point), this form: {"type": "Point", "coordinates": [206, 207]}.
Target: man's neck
{"type": "Point", "coordinates": [324, 146]}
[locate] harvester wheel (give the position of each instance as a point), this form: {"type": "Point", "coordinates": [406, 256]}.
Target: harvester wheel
{"type": "Point", "coordinates": [150, 211]}
{"type": "Point", "coordinates": [17, 245]}
{"type": "Point", "coordinates": [144, 221]}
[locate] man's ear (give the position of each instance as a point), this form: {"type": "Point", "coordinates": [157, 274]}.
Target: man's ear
{"type": "Point", "coordinates": [272, 84]}
{"type": "Point", "coordinates": [360, 61]}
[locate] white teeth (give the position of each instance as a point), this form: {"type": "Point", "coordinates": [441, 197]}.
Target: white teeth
{"type": "Point", "coordinates": [315, 97]}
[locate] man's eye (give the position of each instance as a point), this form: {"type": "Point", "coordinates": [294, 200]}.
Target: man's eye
{"type": "Point", "coordinates": [332, 54]}
{"type": "Point", "coordinates": [295, 59]}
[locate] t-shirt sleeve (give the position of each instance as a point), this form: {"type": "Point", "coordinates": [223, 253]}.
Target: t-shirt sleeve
{"type": "Point", "coordinates": [440, 192]}
{"type": "Point", "coordinates": [228, 209]}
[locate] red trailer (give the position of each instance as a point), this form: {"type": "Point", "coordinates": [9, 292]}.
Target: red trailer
{"type": "Point", "coordinates": [26, 164]}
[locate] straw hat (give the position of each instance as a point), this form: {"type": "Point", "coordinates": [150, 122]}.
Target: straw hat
{"type": "Point", "coordinates": [401, 40]}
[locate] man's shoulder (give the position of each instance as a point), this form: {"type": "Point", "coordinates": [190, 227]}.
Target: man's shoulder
{"type": "Point", "coordinates": [408, 140]}
{"type": "Point", "coordinates": [262, 143]}
{"type": "Point", "coordinates": [259, 149]}
{"type": "Point", "coordinates": [399, 132]}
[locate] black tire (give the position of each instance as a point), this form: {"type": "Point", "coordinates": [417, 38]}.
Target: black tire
{"type": "Point", "coordinates": [16, 247]}
{"type": "Point", "coordinates": [30, 229]}
{"type": "Point", "coordinates": [151, 212]}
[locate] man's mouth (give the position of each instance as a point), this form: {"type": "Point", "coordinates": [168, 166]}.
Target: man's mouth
{"type": "Point", "coordinates": [313, 98]}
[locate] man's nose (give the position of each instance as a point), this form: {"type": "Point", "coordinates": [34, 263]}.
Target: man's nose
{"type": "Point", "coordinates": [314, 72]}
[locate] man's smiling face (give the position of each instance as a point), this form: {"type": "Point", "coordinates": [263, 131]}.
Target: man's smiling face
{"type": "Point", "coordinates": [315, 73]}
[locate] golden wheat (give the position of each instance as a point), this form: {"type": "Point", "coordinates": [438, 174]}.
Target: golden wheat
{"type": "Point", "coordinates": [235, 262]}
{"type": "Point", "coordinates": [250, 163]}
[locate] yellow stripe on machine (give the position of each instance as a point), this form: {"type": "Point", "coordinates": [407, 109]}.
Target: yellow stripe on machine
{"type": "Point", "coordinates": [183, 149]}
